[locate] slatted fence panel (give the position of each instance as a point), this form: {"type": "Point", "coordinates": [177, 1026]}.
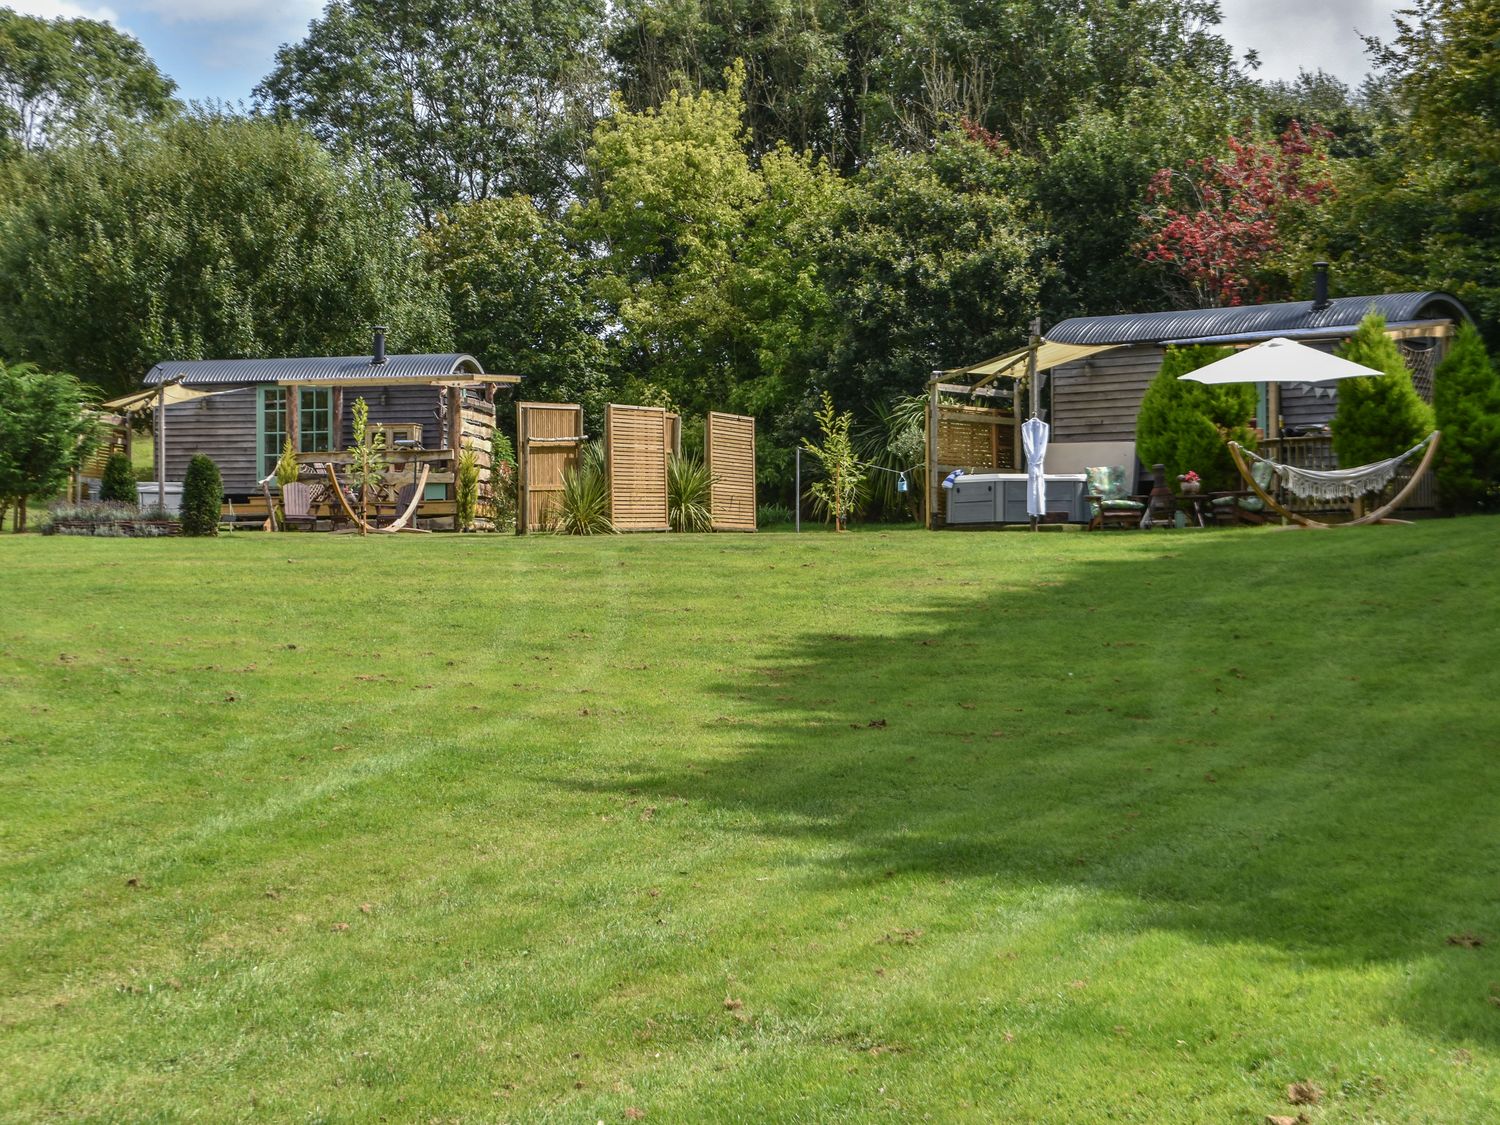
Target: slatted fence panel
{"type": "Point", "coordinates": [729, 445]}
{"type": "Point", "coordinates": [548, 437]}
{"type": "Point", "coordinates": [637, 442]}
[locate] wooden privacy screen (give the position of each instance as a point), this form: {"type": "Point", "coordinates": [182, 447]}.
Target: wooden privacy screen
{"type": "Point", "coordinates": [637, 440]}
{"type": "Point", "coordinates": [548, 437]}
{"type": "Point", "coordinates": [729, 443]}
{"type": "Point", "coordinates": [974, 438]}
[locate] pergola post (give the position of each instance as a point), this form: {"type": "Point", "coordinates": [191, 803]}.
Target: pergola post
{"type": "Point", "coordinates": [161, 445]}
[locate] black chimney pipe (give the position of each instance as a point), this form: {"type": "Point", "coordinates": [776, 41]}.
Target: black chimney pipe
{"type": "Point", "coordinates": [379, 345]}
{"type": "Point", "coordinates": [1320, 286]}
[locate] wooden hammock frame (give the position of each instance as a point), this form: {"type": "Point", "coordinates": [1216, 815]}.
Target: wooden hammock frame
{"type": "Point", "coordinates": [1381, 514]}
{"type": "Point", "coordinates": [390, 528]}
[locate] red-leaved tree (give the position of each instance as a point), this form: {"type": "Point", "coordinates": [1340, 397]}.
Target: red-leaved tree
{"type": "Point", "coordinates": [1215, 225]}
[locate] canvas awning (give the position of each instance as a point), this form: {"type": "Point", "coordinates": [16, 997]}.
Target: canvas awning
{"type": "Point", "coordinates": [1013, 364]}
{"type": "Point", "coordinates": [148, 400]}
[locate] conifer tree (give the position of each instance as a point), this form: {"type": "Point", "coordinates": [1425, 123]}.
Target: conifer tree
{"type": "Point", "coordinates": [1184, 425]}
{"type": "Point", "coordinates": [118, 482]}
{"type": "Point", "coordinates": [1378, 416]}
{"type": "Point", "coordinates": [1466, 403]}
{"type": "Point", "coordinates": [202, 496]}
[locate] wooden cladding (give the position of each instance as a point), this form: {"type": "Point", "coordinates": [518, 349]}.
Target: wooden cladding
{"type": "Point", "coordinates": [729, 446]}
{"type": "Point", "coordinates": [548, 438]}
{"type": "Point", "coordinates": [637, 441]}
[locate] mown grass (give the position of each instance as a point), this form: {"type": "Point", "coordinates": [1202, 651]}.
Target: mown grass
{"type": "Point", "coordinates": [866, 827]}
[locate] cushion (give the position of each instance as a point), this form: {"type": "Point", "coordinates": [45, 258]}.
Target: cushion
{"type": "Point", "coordinates": [1107, 481]}
{"type": "Point", "coordinates": [1249, 503]}
{"type": "Point", "coordinates": [1124, 506]}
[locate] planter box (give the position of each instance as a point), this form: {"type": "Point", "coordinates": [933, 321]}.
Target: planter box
{"type": "Point", "coordinates": [119, 529]}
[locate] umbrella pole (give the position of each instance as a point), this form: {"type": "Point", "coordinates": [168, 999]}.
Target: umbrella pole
{"type": "Point", "coordinates": [1031, 387]}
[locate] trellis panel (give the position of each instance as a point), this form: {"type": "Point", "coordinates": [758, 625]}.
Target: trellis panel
{"type": "Point", "coordinates": [729, 445]}
{"type": "Point", "coordinates": [637, 441]}
{"type": "Point", "coordinates": [548, 438]}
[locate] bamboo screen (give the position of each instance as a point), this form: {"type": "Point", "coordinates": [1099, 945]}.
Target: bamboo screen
{"type": "Point", "coordinates": [548, 437]}
{"type": "Point", "coordinates": [637, 441]}
{"type": "Point", "coordinates": [729, 442]}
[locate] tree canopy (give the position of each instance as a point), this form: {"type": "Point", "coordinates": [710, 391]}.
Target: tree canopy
{"type": "Point", "coordinates": [213, 237]}
{"type": "Point", "coordinates": [70, 79]}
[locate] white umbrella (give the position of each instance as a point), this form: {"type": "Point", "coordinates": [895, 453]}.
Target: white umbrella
{"type": "Point", "coordinates": [1034, 434]}
{"type": "Point", "coordinates": [1279, 361]}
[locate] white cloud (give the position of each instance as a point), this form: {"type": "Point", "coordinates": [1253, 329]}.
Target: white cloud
{"type": "Point", "coordinates": [66, 9]}
{"type": "Point", "coordinates": [1293, 35]}
{"type": "Point", "coordinates": [254, 13]}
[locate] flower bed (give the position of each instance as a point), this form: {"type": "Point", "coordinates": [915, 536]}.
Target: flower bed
{"type": "Point", "coordinates": [111, 521]}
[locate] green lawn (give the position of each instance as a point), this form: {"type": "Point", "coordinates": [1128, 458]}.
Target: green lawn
{"type": "Point", "coordinates": [1053, 828]}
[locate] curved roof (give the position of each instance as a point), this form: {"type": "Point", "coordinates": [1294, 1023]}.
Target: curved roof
{"type": "Point", "coordinates": [1341, 317]}
{"type": "Point", "coordinates": [351, 368]}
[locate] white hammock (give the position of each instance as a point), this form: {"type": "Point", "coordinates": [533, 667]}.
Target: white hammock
{"type": "Point", "coordinates": [1338, 484]}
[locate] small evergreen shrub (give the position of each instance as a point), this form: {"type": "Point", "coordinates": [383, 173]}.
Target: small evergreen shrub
{"type": "Point", "coordinates": [202, 497]}
{"type": "Point", "coordinates": [769, 515]}
{"type": "Point", "coordinates": [1466, 405]}
{"type": "Point", "coordinates": [466, 494]}
{"type": "Point", "coordinates": [689, 495]}
{"type": "Point", "coordinates": [287, 469]}
{"type": "Point", "coordinates": [117, 486]}
{"type": "Point", "coordinates": [1185, 425]}
{"type": "Point", "coordinates": [1378, 416]}
{"type": "Point", "coordinates": [583, 506]}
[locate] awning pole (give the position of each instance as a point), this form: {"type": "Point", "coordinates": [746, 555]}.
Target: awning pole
{"type": "Point", "coordinates": [161, 442]}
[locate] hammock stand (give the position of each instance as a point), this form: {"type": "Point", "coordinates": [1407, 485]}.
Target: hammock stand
{"type": "Point", "coordinates": [1381, 514]}
{"type": "Point", "coordinates": [390, 528]}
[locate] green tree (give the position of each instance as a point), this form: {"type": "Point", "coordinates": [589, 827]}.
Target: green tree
{"type": "Point", "coordinates": [1184, 425]}
{"type": "Point", "coordinates": [118, 483]}
{"type": "Point", "coordinates": [518, 298]}
{"type": "Point", "coordinates": [72, 79]}
{"type": "Point", "coordinates": [1466, 406]}
{"type": "Point", "coordinates": [1378, 416]}
{"type": "Point", "coordinates": [1420, 212]}
{"type": "Point", "coordinates": [841, 492]}
{"type": "Point", "coordinates": [464, 99]}
{"type": "Point", "coordinates": [937, 260]}
{"type": "Point", "coordinates": [215, 237]}
{"type": "Point", "coordinates": [366, 469]}
{"type": "Point", "coordinates": [202, 496]}
{"type": "Point", "coordinates": [44, 434]}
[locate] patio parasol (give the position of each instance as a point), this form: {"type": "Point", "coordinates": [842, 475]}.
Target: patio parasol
{"type": "Point", "coordinates": [1279, 361]}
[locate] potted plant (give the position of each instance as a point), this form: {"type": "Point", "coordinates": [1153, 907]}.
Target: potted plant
{"type": "Point", "coordinates": [1190, 482]}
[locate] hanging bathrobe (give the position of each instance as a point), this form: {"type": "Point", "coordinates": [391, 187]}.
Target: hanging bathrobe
{"type": "Point", "coordinates": [1034, 434]}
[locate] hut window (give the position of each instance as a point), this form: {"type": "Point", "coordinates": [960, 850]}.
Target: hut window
{"type": "Point", "coordinates": [271, 423]}
{"type": "Point", "coordinates": [315, 420]}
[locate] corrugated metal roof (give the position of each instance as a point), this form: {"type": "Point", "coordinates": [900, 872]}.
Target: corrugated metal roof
{"type": "Point", "coordinates": [1340, 317]}
{"type": "Point", "coordinates": [351, 368]}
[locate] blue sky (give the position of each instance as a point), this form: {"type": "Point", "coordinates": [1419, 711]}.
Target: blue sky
{"type": "Point", "coordinates": [221, 48]}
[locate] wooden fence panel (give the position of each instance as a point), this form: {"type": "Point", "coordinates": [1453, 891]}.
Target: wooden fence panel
{"type": "Point", "coordinates": [637, 441]}
{"type": "Point", "coordinates": [548, 440]}
{"type": "Point", "coordinates": [729, 445]}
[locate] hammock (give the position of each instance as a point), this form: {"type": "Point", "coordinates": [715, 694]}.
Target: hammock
{"type": "Point", "coordinates": [1339, 484]}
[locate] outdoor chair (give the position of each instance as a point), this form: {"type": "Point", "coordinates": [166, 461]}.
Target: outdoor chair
{"type": "Point", "coordinates": [1111, 502]}
{"type": "Point", "coordinates": [296, 505]}
{"type": "Point", "coordinates": [403, 499]}
{"type": "Point", "coordinates": [1232, 509]}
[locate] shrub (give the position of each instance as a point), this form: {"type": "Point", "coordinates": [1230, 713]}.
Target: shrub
{"type": "Point", "coordinates": [202, 497]}
{"type": "Point", "coordinates": [583, 506]}
{"type": "Point", "coordinates": [287, 469]}
{"type": "Point", "coordinates": [117, 486]}
{"type": "Point", "coordinates": [689, 495]}
{"type": "Point", "coordinates": [466, 495]}
{"type": "Point", "coordinates": [1466, 406]}
{"type": "Point", "coordinates": [768, 515]}
{"type": "Point", "coordinates": [841, 492]}
{"type": "Point", "coordinates": [107, 520]}
{"type": "Point", "coordinates": [1184, 425]}
{"type": "Point", "coordinates": [503, 502]}
{"type": "Point", "coordinates": [1378, 416]}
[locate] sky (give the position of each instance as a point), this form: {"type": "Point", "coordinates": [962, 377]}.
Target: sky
{"type": "Point", "coordinates": [219, 49]}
